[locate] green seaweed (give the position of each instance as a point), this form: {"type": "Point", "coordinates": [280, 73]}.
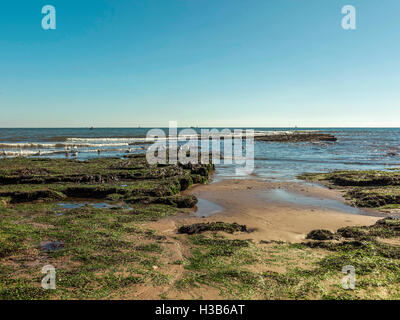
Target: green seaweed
{"type": "Point", "coordinates": [371, 188]}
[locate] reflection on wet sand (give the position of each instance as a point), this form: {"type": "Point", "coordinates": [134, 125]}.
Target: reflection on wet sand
{"type": "Point", "coordinates": [207, 208]}
{"type": "Point", "coordinates": [281, 195]}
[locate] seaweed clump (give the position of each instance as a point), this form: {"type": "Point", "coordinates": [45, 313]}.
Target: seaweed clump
{"type": "Point", "coordinates": [384, 228]}
{"type": "Point", "coordinates": [369, 189]}
{"type": "Point", "coordinates": [320, 235]}
{"type": "Point", "coordinates": [212, 226]}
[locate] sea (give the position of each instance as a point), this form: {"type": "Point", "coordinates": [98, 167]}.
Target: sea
{"type": "Point", "coordinates": [355, 149]}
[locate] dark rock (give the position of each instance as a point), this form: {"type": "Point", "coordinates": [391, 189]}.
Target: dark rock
{"type": "Point", "coordinates": [186, 201]}
{"type": "Point", "coordinates": [197, 179]}
{"type": "Point", "coordinates": [351, 232]}
{"type": "Point", "coordinates": [138, 143]}
{"type": "Point", "coordinates": [320, 235]}
{"type": "Point", "coordinates": [132, 179]}
{"type": "Point", "coordinates": [51, 245]}
{"type": "Point", "coordinates": [28, 196]}
{"type": "Point", "coordinates": [388, 221]}
{"type": "Point", "coordinates": [212, 226]}
{"type": "Point", "coordinates": [89, 192]}
{"type": "Point", "coordinates": [297, 137]}
{"type": "Point", "coordinates": [185, 182]}
{"type": "Point", "coordinates": [369, 199]}
{"type": "Point", "coordinates": [271, 241]}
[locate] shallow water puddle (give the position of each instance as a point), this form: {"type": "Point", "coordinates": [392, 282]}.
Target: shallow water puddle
{"type": "Point", "coordinates": [280, 195]}
{"type": "Point", "coordinates": [71, 205]}
{"type": "Point", "coordinates": [97, 205]}
{"type": "Point", "coordinates": [101, 205]}
{"type": "Point", "coordinates": [206, 208]}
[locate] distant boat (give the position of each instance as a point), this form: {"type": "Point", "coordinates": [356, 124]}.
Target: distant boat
{"type": "Point", "coordinates": [91, 128]}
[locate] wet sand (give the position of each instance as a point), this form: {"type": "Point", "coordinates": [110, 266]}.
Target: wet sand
{"type": "Point", "coordinates": [281, 211]}
{"type": "Point", "coordinates": [272, 211]}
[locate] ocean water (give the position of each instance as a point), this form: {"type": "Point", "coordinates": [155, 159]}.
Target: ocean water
{"type": "Point", "coordinates": [356, 148]}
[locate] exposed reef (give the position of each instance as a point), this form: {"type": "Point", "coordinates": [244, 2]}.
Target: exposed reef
{"type": "Point", "coordinates": [85, 239]}
{"type": "Point", "coordinates": [372, 189]}
{"type": "Point", "coordinates": [297, 137]}
{"type": "Point", "coordinates": [362, 237]}
{"type": "Point", "coordinates": [131, 179]}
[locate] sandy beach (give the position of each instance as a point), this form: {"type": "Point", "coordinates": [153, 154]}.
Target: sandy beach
{"type": "Point", "coordinates": [251, 202]}
{"type": "Point", "coordinates": [269, 221]}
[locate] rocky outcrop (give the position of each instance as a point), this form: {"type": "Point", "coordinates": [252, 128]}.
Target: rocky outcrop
{"type": "Point", "coordinates": [130, 179]}
{"type": "Point", "coordinates": [212, 226]}
{"type": "Point", "coordinates": [370, 188]}
{"type": "Point", "coordinates": [297, 137]}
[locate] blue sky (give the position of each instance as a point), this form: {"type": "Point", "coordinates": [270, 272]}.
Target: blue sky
{"type": "Point", "coordinates": [200, 62]}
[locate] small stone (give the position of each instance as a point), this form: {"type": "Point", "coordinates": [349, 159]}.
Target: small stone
{"type": "Point", "coordinates": [51, 245]}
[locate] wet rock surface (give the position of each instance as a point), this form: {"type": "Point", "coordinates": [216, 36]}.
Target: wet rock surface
{"type": "Point", "coordinates": [114, 179]}
{"type": "Point", "coordinates": [184, 201]}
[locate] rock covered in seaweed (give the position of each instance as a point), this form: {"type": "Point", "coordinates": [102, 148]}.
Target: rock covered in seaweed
{"type": "Point", "coordinates": [320, 235]}
{"type": "Point", "coordinates": [128, 179]}
{"type": "Point", "coordinates": [366, 188]}
{"type": "Point", "coordinates": [212, 226]}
